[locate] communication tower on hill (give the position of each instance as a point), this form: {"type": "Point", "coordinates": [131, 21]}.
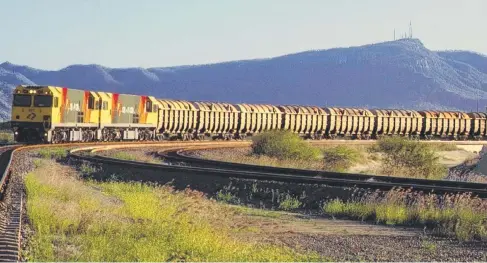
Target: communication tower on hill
{"type": "Point", "coordinates": [405, 35]}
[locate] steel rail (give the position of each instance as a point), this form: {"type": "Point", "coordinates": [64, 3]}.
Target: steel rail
{"type": "Point", "coordinates": [279, 177]}
{"type": "Point", "coordinates": [10, 230]}
{"type": "Point", "coordinates": [181, 156]}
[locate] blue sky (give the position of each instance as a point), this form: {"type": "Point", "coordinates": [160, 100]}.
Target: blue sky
{"type": "Point", "coordinates": [52, 34]}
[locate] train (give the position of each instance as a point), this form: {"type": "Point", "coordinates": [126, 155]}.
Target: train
{"type": "Point", "coordinates": [51, 114]}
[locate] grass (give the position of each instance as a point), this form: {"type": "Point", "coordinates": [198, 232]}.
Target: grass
{"type": "Point", "coordinates": [75, 220]}
{"type": "Point", "coordinates": [392, 156]}
{"type": "Point", "coordinates": [6, 137]}
{"type": "Point", "coordinates": [427, 245]}
{"type": "Point", "coordinates": [447, 147]}
{"type": "Point", "coordinates": [244, 155]}
{"type": "Point", "coordinates": [289, 203]}
{"type": "Point", "coordinates": [227, 197]}
{"type": "Point", "coordinates": [461, 215]}
{"type": "Point", "coordinates": [338, 159]}
{"type": "Point", "coordinates": [257, 212]}
{"type": "Point", "coordinates": [53, 153]}
{"type": "Point", "coordinates": [124, 156]}
{"type": "Point", "coordinates": [138, 155]}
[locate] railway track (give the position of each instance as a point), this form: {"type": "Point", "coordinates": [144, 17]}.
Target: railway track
{"type": "Point", "coordinates": [11, 222]}
{"type": "Point", "coordinates": [182, 156]}
{"type": "Point", "coordinates": [230, 170]}
{"type": "Point", "coordinates": [10, 219]}
{"type": "Point", "coordinates": [12, 201]}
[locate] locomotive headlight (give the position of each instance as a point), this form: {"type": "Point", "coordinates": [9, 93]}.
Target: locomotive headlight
{"type": "Point", "coordinates": [16, 133]}
{"type": "Point", "coordinates": [45, 134]}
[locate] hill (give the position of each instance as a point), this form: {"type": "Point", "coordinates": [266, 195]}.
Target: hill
{"type": "Point", "coordinates": [398, 74]}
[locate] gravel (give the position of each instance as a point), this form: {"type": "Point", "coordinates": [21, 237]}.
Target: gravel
{"type": "Point", "coordinates": [20, 166]}
{"type": "Point", "coordinates": [387, 248]}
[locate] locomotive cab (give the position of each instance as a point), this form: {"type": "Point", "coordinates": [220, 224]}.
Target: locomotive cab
{"type": "Point", "coordinates": [32, 112]}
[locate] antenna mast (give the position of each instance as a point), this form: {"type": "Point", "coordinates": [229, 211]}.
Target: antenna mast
{"type": "Point", "coordinates": [410, 30]}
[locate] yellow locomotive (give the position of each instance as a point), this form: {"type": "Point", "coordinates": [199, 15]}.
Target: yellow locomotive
{"type": "Point", "coordinates": [58, 114]}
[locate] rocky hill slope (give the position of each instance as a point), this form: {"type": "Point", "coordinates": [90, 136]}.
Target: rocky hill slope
{"type": "Point", "coordinates": [399, 74]}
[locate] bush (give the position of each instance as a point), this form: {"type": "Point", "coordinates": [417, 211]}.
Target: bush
{"type": "Point", "coordinates": [340, 158]}
{"type": "Point", "coordinates": [283, 145]}
{"type": "Point", "coordinates": [410, 158]}
{"type": "Point", "coordinates": [6, 137]}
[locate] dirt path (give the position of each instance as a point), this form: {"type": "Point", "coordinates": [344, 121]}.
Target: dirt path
{"type": "Point", "coordinates": [347, 240]}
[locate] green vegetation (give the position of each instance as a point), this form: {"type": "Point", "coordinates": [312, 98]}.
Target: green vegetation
{"type": "Point", "coordinates": [86, 169]}
{"type": "Point", "coordinates": [404, 157]}
{"type": "Point", "coordinates": [257, 212]}
{"type": "Point", "coordinates": [463, 215]}
{"type": "Point", "coordinates": [428, 245]}
{"type": "Point", "coordinates": [447, 147]}
{"type": "Point", "coordinates": [289, 203]}
{"type": "Point", "coordinates": [6, 137]}
{"type": "Point", "coordinates": [227, 197]}
{"type": "Point", "coordinates": [286, 149]}
{"type": "Point", "coordinates": [283, 145]}
{"type": "Point", "coordinates": [124, 156]}
{"type": "Point", "coordinates": [111, 221]}
{"type": "Point", "coordinates": [391, 156]}
{"type": "Point", "coordinates": [53, 153]}
{"type": "Point", "coordinates": [136, 156]}
{"type": "Point", "coordinates": [340, 158]}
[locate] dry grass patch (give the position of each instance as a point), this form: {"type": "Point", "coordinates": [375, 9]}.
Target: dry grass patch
{"type": "Point", "coordinates": [138, 155]}
{"type": "Point", "coordinates": [334, 158]}
{"type": "Point", "coordinates": [461, 215]}
{"type": "Point", "coordinates": [443, 147]}
{"type": "Point", "coordinates": [392, 156]}
{"type": "Point", "coordinates": [74, 220]}
{"type": "Point", "coordinates": [244, 155]}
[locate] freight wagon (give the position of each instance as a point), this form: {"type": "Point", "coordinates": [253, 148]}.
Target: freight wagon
{"type": "Point", "coordinates": [58, 114]}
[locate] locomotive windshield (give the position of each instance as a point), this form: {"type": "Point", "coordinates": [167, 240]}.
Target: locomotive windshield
{"type": "Point", "coordinates": [22, 100]}
{"type": "Point", "coordinates": [42, 101]}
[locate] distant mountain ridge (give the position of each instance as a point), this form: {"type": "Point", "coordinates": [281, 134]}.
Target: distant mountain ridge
{"type": "Point", "coordinates": [394, 74]}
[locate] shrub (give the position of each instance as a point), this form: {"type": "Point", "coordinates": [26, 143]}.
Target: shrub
{"type": "Point", "coordinates": [410, 158]}
{"type": "Point", "coordinates": [340, 158]}
{"type": "Point", "coordinates": [283, 145]}
{"type": "Point", "coordinates": [289, 203]}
